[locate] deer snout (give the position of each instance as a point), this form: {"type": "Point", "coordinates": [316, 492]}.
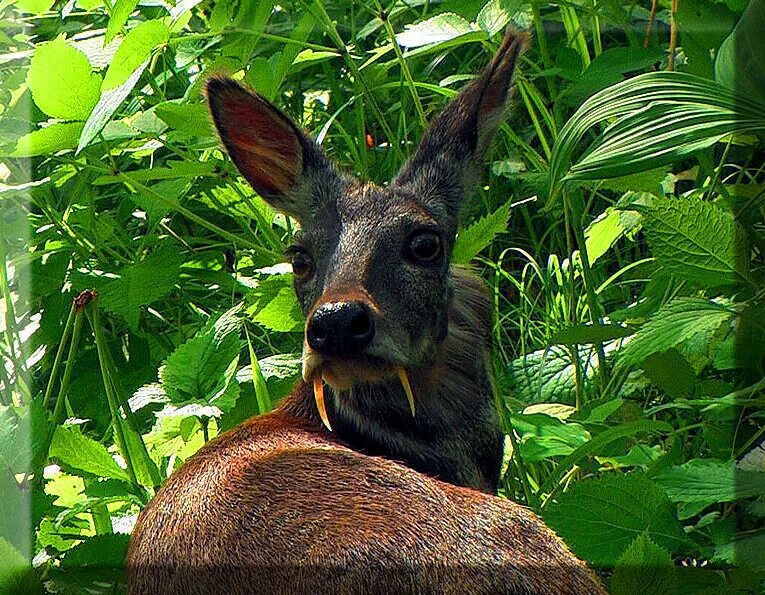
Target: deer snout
{"type": "Point", "coordinates": [341, 328]}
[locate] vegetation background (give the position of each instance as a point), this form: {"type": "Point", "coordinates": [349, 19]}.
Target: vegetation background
{"type": "Point", "coordinates": [620, 230]}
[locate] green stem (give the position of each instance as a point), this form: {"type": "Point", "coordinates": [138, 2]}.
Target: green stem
{"type": "Point", "coordinates": [58, 411]}
{"type": "Point", "coordinates": [59, 356]}
{"type": "Point", "coordinates": [119, 435]}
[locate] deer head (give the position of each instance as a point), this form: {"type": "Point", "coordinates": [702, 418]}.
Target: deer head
{"type": "Point", "coordinates": [371, 264]}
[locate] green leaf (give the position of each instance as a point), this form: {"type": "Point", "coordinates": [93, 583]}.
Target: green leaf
{"type": "Point", "coordinates": [708, 481]}
{"type": "Point", "coordinates": [589, 333]}
{"type": "Point", "coordinates": [548, 375]}
{"type": "Point", "coordinates": [106, 551]}
{"type": "Point", "coordinates": [201, 370]}
{"type": "Point", "coordinates": [480, 234]}
{"type": "Point", "coordinates": [140, 284]}
{"type": "Point", "coordinates": [670, 372]}
{"type": "Point", "coordinates": [48, 140]}
{"type": "Point", "coordinates": [108, 103]}
{"type": "Point", "coordinates": [62, 82]}
{"type": "Point", "coordinates": [603, 233]}
{"type": "Point", "coordinates": [118, 18]}
{"type": "Point", "coordinates": [652, 120]}
{"type": "Point", "coordinates": [599, 518]}
{"type": "Point", "coordinates": [745, 551]}
{"type": "Point", "coordinates": [496, 14]}
{"type": "Point", "coordinates": [35, 6]}
{"type": "Point", "coordinates": [275, 305]}
{"type": "Point", "coordinates": [644, 569]}
{"type": "Point", "coordinates": [740, 61]}
{"type": "Point", "coordinates": [543, 436]}
{"type": "Point", "coordinates": [15, 571]}
{"type": "Point", "coordinates": [192, 119]}
{"type": "Point", "coordinates": [437, 29]}
{"type": "Point", "coordinates": [685, 324]}
{"type": "Point", "coordinates": [698, 241]}
{"type": "Point", "coordinates": [77, 451]}
{"type": "Point", "coordinates": [135, 49]}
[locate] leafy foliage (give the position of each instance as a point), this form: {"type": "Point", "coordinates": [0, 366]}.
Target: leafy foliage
{"type": "Point", "coordinates": [621, 231]}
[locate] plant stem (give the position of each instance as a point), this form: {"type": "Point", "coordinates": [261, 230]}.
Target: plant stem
{"type": "Point", "coordinates": [59, 356]}
{"type": "Point", "coordinates": [58, 411]}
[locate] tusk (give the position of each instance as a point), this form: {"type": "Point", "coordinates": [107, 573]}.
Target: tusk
{"type": "Point", "coordinates": [318, 395]}
{"type": "Point", "coordinates": [407, 388]}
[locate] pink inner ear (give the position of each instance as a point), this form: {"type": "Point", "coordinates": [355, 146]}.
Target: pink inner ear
{"type": "Point", "coordinates": [263, 146]}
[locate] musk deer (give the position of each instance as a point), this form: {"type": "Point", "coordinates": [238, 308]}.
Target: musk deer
{"type": "Point", "coordinates": [375, 475]}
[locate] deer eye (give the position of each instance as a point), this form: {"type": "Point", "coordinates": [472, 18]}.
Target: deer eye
{"type": "Point", "coordinates": [425, 247]}
{"type": "Point", "coordinates": [302, 264]}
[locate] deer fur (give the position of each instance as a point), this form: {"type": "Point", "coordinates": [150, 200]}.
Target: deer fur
{"type": "Point", "coordinates": [386, 502]}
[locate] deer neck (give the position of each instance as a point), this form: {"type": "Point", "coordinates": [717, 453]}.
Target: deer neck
{"type": "Point", "coordinates": [455, 435]}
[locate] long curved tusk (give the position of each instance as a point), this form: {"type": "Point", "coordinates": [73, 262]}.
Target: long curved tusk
{"type": "Point", "coordinates": [402, 376]}
{"type": "Point", "coordinates": [318, 395]}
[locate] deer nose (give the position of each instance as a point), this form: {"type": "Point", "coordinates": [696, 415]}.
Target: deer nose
{"type": "Point", "coordinates": [341, 328]}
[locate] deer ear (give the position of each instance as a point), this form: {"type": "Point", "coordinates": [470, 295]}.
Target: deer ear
{"type": "Point", "coordinates": [274, 156]}
{"type": "Point", "coordinates": [448, 161]}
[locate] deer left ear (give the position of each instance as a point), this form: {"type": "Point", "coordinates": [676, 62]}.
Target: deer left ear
{"type": "Point", "coordinates": [448, 161]}
{"type": "Point", "coordinates": [279, 161]}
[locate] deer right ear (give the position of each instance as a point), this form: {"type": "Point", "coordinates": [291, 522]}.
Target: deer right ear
{"type": "Point", "coordinates": [274, 156]}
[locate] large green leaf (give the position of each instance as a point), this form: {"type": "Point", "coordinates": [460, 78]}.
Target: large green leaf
{"type": "Point", "coordinates": [442, 27]}
{"type": "Point", "coordinates": [62, 82]}
{"type": "Point", "coordinates": [474, 238]}
{"type": "Point", "coordinates": [708, 481]}
{"type": "Point", "coordinates": [135, 49]}
{"type": "Point", "coordinates": [77, 451]}
{"type": "Point", "coordinates": [50, 139]}
{"type": "Point", "coordinates": [599, 518]}
{"type": "Point", "coordinates": [119, 16]}
{"type": "Point", "coordinates": [202, 369]}
{"type": "Point", "coordinates": [740, 61]}
{"type": "Point", "coordinates": [644, 569]}
{"type": "Point", "coordinates": [698, 241]}
{"type": "Point", "coordinates": [653, 119]}
{"type": "Point", "coordinates": [275, 305]}
{"type": "Point", "coordinates": [685, 324]}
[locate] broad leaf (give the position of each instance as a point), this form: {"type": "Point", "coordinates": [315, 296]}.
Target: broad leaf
{"type": "Point", "coordinates": [644, 569]}
{"type": "Point", "coordinates": [599, 518]}
{"type": "Point", "coordinates": [708, 481]}
{"type": "Point", "coordinates": [50, 139]}
{"type": "Point", "coordinates": [698, 241]}
{"type": "Point", "coordinates": [119, 16]}
{"type": "Point", "coordinates": [62, 82]}
{"type": "Point", "coordinates": [134, 50]}
{"type": "Point", "coordinates": [442, 27]}
{"type": "Point", "coordinates": [77, 451]}
{"type": "Point", "coordinates": [685, 324]}
{"type": "Point", "coordinates": [202, 369]}
{"type": "Point", "coordinates": [739, 62]}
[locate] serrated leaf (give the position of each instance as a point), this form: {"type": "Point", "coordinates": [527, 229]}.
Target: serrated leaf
{"type": "Point", "coordinates": [442, 27]}
{"type": "Point", "coordinates": [698, 241]}
{"type": "Point", "coordinates": [62, 82]}
{"type": "Point", "coordinates": [480, 234]}
{"type": "Point", "coordinates": [644, 569]}
{"type": "Point", "coordinates": [202, 369]}
{"type": "Point", "coordinates": [118, 18]}
{"type": "Point", "coordinates": [140, 284]}
{"type": "Point", "coordinates": [191, 119]}
{"type": "Point", "coordinates": [58, 136]}
{"type": "Point", "coordinates": [709, 481]}
{"type": "Point", "coordinates": [77, 451]}
{"type": "Point", "coordinates": [683, 321]}
{"type": "Point", "coordinates": [135, 49]}
{"type": "Point", "coordinates": [599, 518]}
{"type": "Point", "coordinates": [744, 551]}
{"type": "Point", "coordinates": [108, 103]}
